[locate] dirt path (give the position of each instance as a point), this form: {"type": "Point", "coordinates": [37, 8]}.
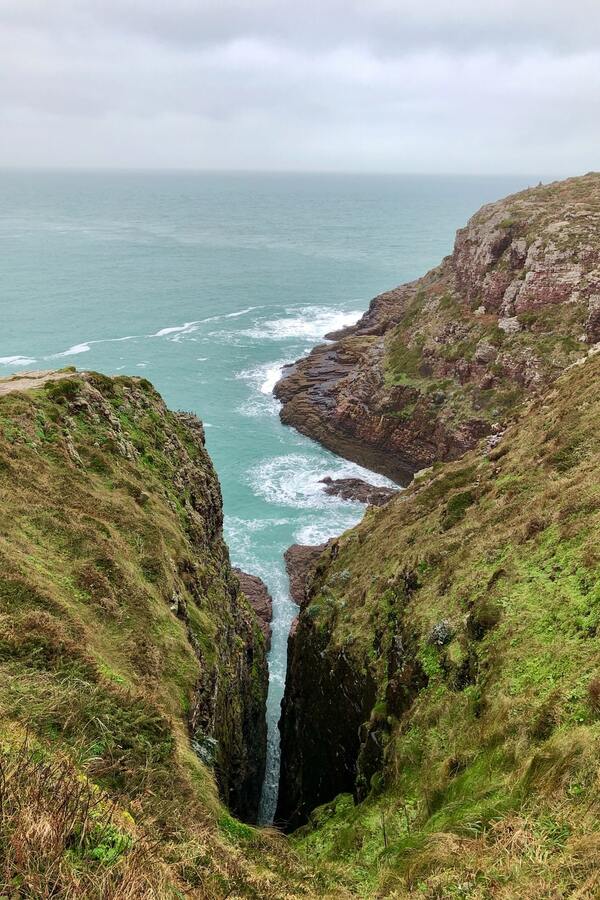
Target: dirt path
{"type": "Point", "coordinates": [23, 381]}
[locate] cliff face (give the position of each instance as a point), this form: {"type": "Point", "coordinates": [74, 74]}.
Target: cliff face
{"type": "Point", "coordinates": [435, 363]}
{"type": "Point", "coordinates": [444, 672]}
{"type": "Point", "coordinates": [128, 654]}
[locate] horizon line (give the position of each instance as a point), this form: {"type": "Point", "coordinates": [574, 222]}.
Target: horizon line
{"type": "Point", "coordinates": [175, 170]}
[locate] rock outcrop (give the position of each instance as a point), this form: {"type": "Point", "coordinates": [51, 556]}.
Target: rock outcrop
{"type": "Point", "coordinates": [319, 747]}
{"type": "Point", "coordinates": [257, 593]}
{"type": "Point", "coordinates": [433, 364]}
{"type": "Point", "coordinates": [300, 564]}
{"type": "Point", "coordinates": [358, 490]}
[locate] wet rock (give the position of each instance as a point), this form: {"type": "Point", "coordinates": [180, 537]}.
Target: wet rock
{"type": "Point", "coordinates": [300, 563]}
{"type": "Point", "coordinates": [260, 599]}
{"type": "Point", "coordinates": [328, 698]}
{"type": "Point", "coordinates": [358, 490]}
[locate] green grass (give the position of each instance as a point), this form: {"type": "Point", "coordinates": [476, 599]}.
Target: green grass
{"type": "Point", "coordinates": [489, 777]}
{"type": "Point", "coordinates": [109, 508]}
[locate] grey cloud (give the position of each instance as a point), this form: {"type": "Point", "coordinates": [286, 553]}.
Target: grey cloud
{"type": "Point", "coordinates": [342, 84]}
{"type": "Point", "coordinates": [393, 25]}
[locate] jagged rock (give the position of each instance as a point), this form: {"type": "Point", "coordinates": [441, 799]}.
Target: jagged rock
{"type": "Point", "coordinates": [358, 490]}
{"type": "Point", "coordinates": [260, 599]}
{"type": "Point", "coordinates": [509, 325]}
{"type": "Point", "coordinates": [441, 633]}
{"type": "Point", "coordinates": [327, 699]}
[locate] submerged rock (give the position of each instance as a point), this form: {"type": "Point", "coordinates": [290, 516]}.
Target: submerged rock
{"type": "Point", "coordinates": [358, 490]}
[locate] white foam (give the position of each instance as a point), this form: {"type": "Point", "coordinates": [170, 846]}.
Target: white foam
{"type": "Point", "coordinates": [295, 480]}
{"type": "Point", "coordinates": [85, 346]}
{"type": "Point", "coordinates": [306, 323]}
{"type": "Point", "coordinates": [234, 315]}
{"type": "Point", "coordinates": [320, 532]}
{"type": "Point", "coordinates": [176, 329]}
{"type": "Point", "coordinates": [265, 376]}
{"type": "Point", "coordinates": [16, 361]}
{"type": "Point", "coordinates": [72, 351]}
{"type": "Point", "coordinates": [189, 327]}
{"type": "Point", "coordinates": [263, 379]}
{"type": "Point", "coordinates": [273, 374]}
{"type": "Point", "coordinates": [240, 536]}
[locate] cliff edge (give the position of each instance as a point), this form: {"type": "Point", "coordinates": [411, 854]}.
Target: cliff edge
{"type": "Point", "coordinates": [133, 675]}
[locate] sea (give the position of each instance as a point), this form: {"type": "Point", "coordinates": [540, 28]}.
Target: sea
{"type": "Point", "coordinates": [208, 284]}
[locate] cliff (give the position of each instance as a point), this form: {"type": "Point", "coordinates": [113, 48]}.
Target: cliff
{"type": "Point", "coordinates": [435, 364]}
{"type": "Point", "coordinates": [443, 674]}
{"type": "Point", "coordinates": [133, 674]}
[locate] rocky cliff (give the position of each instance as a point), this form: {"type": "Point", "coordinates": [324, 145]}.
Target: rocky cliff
{"type": "Point", "coordinates": [133, 674]}
{"type": "Point", "coordinates": [444, 672]}
{"type": "Point", "coordinates": [433, 365]}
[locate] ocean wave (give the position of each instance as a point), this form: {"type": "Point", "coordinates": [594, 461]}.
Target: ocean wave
{"type": "Point", "coordinates": [263, 379]}
{"type": "Point", "coordinates": [86, 346]}
{"type": "Point", "coordinates": [265, 376]}
{"type": "Point", "coordinates": [295, 480]}
{"type": "Point", "coordinates": [320, 532]}
{"type": "Point", "coordinates": [175, 332]}
{"type": "Point", "coordinates": [73, 351]}
{"type": "Point", "coordinates": [307, 323]}
{"type": "Point", "coordinates": [16, 361]}
{"type": "Point", "coordinates": [176, 329]}
{"type": "Point", "coordinates": [241, 535]}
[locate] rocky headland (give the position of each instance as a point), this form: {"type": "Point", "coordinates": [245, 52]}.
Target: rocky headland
{"type": "Point", "coordinates": [440, 730]}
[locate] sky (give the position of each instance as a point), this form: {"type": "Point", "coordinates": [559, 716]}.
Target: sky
{"type": "Point", "coordinates": [431, 86]}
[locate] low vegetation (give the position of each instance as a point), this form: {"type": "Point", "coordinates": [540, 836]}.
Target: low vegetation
{"type": "Point", "coordinates": [474, 601]}
{"type": "Point", "coordinates": [126, 651]}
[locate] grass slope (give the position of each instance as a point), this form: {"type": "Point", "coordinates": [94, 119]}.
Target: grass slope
{"type": "Point", "coordinates": [483, 578]}
{"type": "Point", "coordinates": [121, 629]}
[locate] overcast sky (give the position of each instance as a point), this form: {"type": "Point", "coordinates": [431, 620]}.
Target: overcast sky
{"type": "Point", "coordinates": [352, 85]}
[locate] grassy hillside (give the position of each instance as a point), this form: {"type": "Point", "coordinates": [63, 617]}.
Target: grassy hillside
{"type": "Point", "coordinates": [470, 605]}
{"type": "Point", "coordinates": [132, 669]}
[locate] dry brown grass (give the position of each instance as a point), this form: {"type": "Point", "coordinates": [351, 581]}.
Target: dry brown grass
{"type": "Point", "coordinates": [61, 837]}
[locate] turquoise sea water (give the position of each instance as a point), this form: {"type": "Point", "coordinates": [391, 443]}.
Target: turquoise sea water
{"type": "Point", "coordinates": [207, 284]}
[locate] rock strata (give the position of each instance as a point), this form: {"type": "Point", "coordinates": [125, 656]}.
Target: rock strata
{"type": "Point", "coordinates": [433, 363]}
